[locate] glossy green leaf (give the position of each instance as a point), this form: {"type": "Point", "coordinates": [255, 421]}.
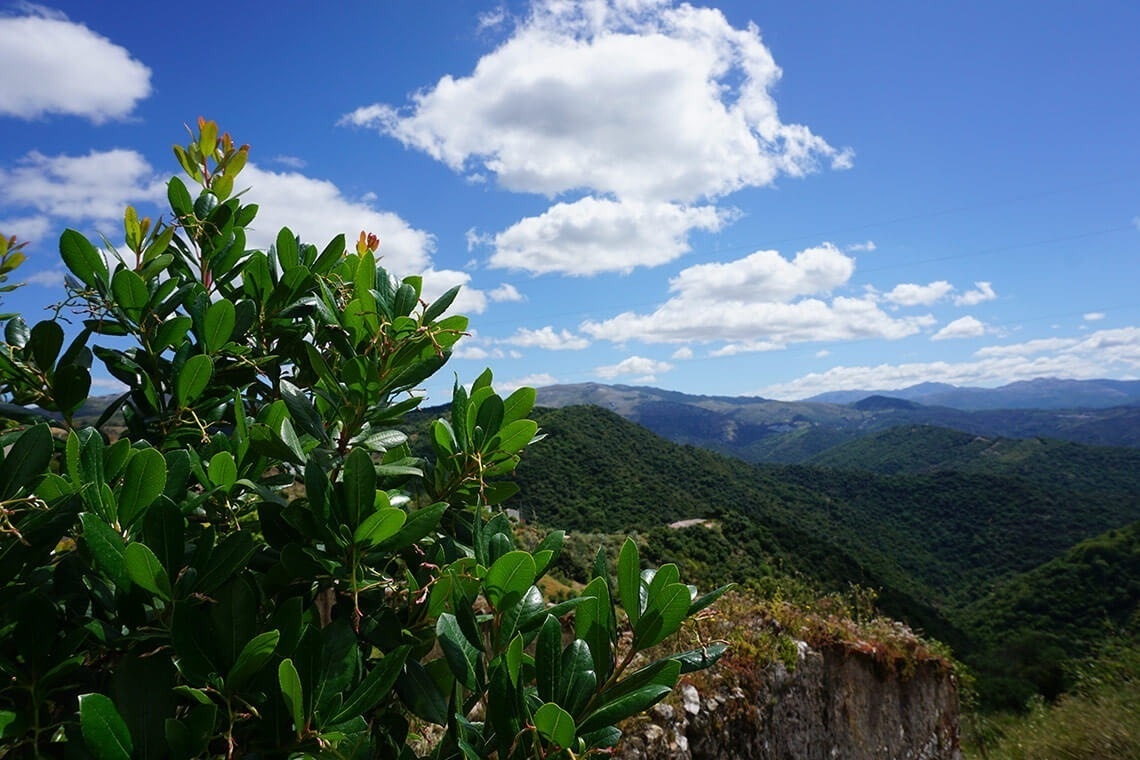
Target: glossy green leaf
{"type": "Point", "coordinates": [194, 378]}
{"type": "Point", "coordinates": [618, 710]}
{"type": "Point", "coordinates": [252, 658]}
{"type": "Point", "coordinates": [9, 724]}
{"type": "Point", "coordinates": [666, 609]}
{"type": "Point", "coordinates": [171, 332]}
{"type": "Point", "coordinates": [419, 524]}
{"type": "Point", "coordinates": [503, 712]}
{"type": "Point", "coordinates": [578, 679]}
{"type": "Point", "coordinates": [704, 601]}
{"type": "Point", "coordinates": [380, 526]}
{"type": "Point", "coordinates": [699, 659]}
{"type": "Point", "coordinates": [143, 480]}
{"type": "Point", "coordinates": [290, 684]}
{"type": "Point", "coordinates": [421, 695]}
{"type": "Point", "coordinates": [26, 461]}
{"type": "Point", "coordinates": [440, 305]}
{"type": "Point", "coordinates": [593, 624]}
{"type": "Point", "coordinates": [548, 658]}
{"type": "Point", "coordinates": [359, 480]}
{"type": "Point", "coordinates": [509, 578]}
{"type": "Point", "coordinates": [288, 254]}
{"type": "Point", "coordinates": [164, 530]}
{"type": "Point", "coordinates": [663, 672]}
{"type": "Point", "coordinates": [227, 558]}
{"type": "Point", "coordinates": [144, 569]}
{"type": "Point", "coordinates": [515, 436]}
{"type": "Point", "coordinates": [130, 293]}
{"type": "Point", "coordinates": [443, 438]}
{"type": "Point", "coordinates": [629, 580]}
{"type": "Point", "coordinates": [462, 657]}
{"type": "Point", "coordinates": [70, 387]}
{"type": "Point", "coordinates": [490, 416]}
{"type": "Point", "coordinates": [552, 543]}
{"type": "Point", "coordinates": [106, 547]}
{"type": "Point", "coordinates": [305, 416]}
{"type": "Point", "coordinates": [513, 658]}
{"type": "Point", "coordinates": [518, 405]}
{"type": "Point", "coordinates": [665, 575]}
{"type": "Point", "coordinates": [222, 470]}
{"type": "Point", "coordinates": [46, 341]}
{"type": "Point", "coordinates": [104, 731]}
{"type": "Point", "coordinates": [555, 725]}
{"type": "Point", "coordinates": [16, 332]}
{"type": "Point", "coordinates": [375, 686]}
{"type": "Point", "coordinates": [218, 325]}
{"type": "Point", "coordinates": [82, 258]}
{"type": "Point", "coordinates": [525, 615]}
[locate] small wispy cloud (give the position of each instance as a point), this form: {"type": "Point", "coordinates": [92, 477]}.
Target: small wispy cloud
{"type": "Point", "coordinates": [964, 327]}
{"type": "Point", "coordinates": [983, 291]}
{"type": "Point", "coordinates": [547, 338]}
{"type": "Point", "coordinates": [634, 365]}
{"type": "Point", "coordinates": [293, 162]}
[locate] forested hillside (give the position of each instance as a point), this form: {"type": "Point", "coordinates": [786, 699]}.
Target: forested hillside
{"type": "Point", "coordinates": [959, 518]}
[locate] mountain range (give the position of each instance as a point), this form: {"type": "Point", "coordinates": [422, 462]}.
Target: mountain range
{"type": "Point", "coordinates": [1040, 393]}
{"type": "Point", "coordinates": [1101, 412]}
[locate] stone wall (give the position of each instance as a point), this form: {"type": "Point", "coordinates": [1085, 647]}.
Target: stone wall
{"type": "Point", "coordinates": [835, 704]}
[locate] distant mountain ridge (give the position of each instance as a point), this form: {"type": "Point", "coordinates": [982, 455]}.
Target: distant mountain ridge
{"type": "Point", "coordinates": [1040, 393]}
{"type": "Point", "coordinates": [793, 432]}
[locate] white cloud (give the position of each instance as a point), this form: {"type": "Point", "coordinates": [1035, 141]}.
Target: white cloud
{"type": "Point", "coordinates": [316, 210]}
{"type": "Point", "coordinates": [529, 381]}
{"type": "Point", "coordinates": [758, 326]}
{"type": "Point", "coordinates": [983, 291]}
{"type": "Point", "coordinates": [1094, 316]}
{"type": "Point", "coordinates": [907, 294]}
{"type": "Point", "coordinates": [634, 365]}
{"type": "Point", "coordinates": [493, 18]}
{"type": "Point", "coordinates": [823, 353]}
{"type": "Point", "coordinates": [1028, 348]}
{"type": "Point", "coordinates": [546, 338]}
{"type": "Point", "coordinates": [95, 187]}
{"type": "Point", "coordinates": [963, 327]}
{"type": "Point", "coordinates": [639, 109]}
{"type": "Point", "coordinates": [56, 66]}
{"type": "Point", "coordinates": [26, 228]}
{"type": "Point", "coordinates": [505, 293]}
{"type": "Point", "coordinates": [683, 353]}
{"type": "Point", "coordinates": [865, 246]}
{"type": "Point", "coordinates": [594, 235]}
{"type": "Point", "coordinates": [639, 99]}
{"type": "Point", "coordinates": [437, 281]}
{"type": "Point", "coordinates": [293, 162]}
{"type": "Point", "coordinates": [766, 276]}
{"type": "Point", "coordinates": [749, 305]}
{"type": "Point", "coordinates": [48, 278]}
{"type": "Point", "coordinates": [748, 347]}
{"type": "Point", "coordinates": [1106, 353]}
{"type": "Point", "coordinates": [464, 351]}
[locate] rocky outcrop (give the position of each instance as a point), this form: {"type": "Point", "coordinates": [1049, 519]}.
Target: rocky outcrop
{"type": "Point", "coordinates": [836, 704]}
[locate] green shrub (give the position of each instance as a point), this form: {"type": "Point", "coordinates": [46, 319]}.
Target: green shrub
{"type": "Point", "coordinates": [259, 566]}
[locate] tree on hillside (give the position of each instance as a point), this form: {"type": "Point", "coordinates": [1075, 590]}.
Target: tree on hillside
{"type": "Point", "coordinates": [258, 566]}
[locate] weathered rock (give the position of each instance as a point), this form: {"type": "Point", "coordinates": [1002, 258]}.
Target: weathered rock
{"type": "Point", "coordinates": [837, 703]}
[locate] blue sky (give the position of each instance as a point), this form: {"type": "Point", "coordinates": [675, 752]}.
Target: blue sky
{"type": "Point", "coordinates": [733, 199]}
